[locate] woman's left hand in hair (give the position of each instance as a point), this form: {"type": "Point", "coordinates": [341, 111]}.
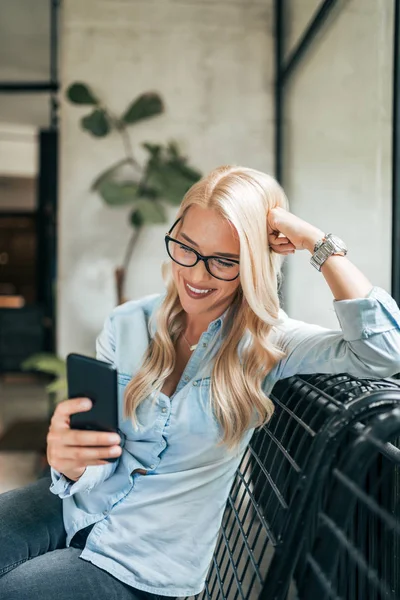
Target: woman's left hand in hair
{"type": "Point", "coordinates": [288, 233]}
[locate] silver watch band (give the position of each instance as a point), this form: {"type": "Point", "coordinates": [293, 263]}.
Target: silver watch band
{"type": "Point", "coordinates": [326, 247]}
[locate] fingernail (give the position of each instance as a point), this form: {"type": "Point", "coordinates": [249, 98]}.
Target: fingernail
{"type": "Point", "coordinates": [86, 404]}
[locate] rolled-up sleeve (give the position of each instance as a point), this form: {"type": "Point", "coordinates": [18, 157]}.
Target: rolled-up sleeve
{"type": "Point", "coordinates": [94, 474]}
{"type": "Point", "coordinates": [368, 344]}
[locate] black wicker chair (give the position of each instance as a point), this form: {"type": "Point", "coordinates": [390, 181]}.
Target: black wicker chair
{"type": "Point", "coordinates": [272, 534]}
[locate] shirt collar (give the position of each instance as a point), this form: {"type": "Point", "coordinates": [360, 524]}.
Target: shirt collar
{"type": "Point", "coordinates": [217, 323]}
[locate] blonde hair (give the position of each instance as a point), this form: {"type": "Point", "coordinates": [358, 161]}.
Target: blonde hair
{"type": "Point", "coordinates": [243, 196]}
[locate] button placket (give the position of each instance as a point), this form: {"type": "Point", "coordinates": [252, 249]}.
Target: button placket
{"type": "Point", "coordinates": [186, 377]}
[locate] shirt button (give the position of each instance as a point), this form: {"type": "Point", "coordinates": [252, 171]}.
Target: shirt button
{"type": "Point", "coordinates": [152, 466]}
{"type": "Point", "coordinates": [186, 378]}
{"type": "Point", "coordinates": [105, 512]}
{"type": "Point", "coordinates": [195, 383]}
{"type": "Point", "coordinates": [204, 345]}
{"type": "Point", "coordinates": [164, 410]}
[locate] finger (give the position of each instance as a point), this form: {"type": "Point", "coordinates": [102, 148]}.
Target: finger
{"type": "Point", "coordinates": [69, 465]}
{"type": "Point", "coordinates": [82, 456]}
{"type": "Point", "coordinates": [287, 246]}
{"type": "Point", "coordinates": [272, 227]}
{"type": "Point", "coordinates": [77, 437]}
{"type": "Point", "coordinates": [66, 408]}
{"type": "Point", "coordinates": [282, 249]}
{"type": "Point", "coordinates": [280, 240]}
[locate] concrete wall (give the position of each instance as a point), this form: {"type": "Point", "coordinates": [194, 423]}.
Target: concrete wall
{"type": "Point", "coordinates": [212, 62]}
{"type": "Point", "coordinates": [338, 145]}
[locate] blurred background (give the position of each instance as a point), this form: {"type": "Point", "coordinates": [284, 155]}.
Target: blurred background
{"type": "Point", "coordinates": [111, 109]}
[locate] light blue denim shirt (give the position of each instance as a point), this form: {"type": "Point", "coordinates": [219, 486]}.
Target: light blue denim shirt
{"type": "Point", "coordinates": [157, 532]}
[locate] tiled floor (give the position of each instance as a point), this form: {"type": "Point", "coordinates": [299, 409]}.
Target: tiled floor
{"type": "Point", "coordinates": [20, 401]}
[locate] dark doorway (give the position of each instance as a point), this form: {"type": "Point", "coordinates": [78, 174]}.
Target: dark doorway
{"type": "Point", "coordinates": [28, 179]}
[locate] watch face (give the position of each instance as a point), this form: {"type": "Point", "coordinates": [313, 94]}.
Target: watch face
{"type": "Point", "coordinates": [337, 242]}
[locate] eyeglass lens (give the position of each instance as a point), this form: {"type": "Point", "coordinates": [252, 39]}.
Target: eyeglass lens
{"type": "Point", "coordinates": [220, 267]}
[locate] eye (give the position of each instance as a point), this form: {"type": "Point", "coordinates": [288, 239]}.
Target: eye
{"type": "Point", "coordinates": [223, 263]}
{"type": "Point", "coordinates": [185, 249]}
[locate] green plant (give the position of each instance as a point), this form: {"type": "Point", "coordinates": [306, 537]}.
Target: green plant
{"type": "Point", "coordinates": [46, 362]}
{"type": "Point", "coordinates": [164, 177]}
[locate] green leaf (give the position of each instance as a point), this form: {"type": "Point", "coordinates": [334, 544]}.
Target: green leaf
{"type": "Point", "coordinates": [59, 385]}
{"type": "Point", "coordinates": [148, 192]}
{"type": "Point", "coordinates": [173, 151]}
{"type": "Point", "coordinates": [150, 211]}
{"type": "Point", "coordinates": [118, 194]}
{"type": "Point", "coordinates": [46, 363]}
{"type": "Point", "coordinates": [80, 93]}
{"type": "Point", "coordinates": [145, 106]}
{"type": "Point", "coordinates": [170, 182]}
{"type": "Point", "coordinates": [188, 172]}
{"type": "Point", "coordinates": [153, 149]}
{"type": "Point", "coordinates": [167, 172]}
{"type": "Point", "coordinates": [97, 123]}
{"type": "Point", "coordinates": [108, 172]}
{"type": "Point", "coordinates": [136, 218]}
{"type": "Point", "coordinates": [180, 163]}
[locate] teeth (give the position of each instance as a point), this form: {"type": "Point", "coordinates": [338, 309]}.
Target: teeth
{"type": "Point", "coordinates": [198, 291]}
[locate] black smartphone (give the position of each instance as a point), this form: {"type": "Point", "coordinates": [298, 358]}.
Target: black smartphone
{"type": "Point", "coordinates": [95, 379]}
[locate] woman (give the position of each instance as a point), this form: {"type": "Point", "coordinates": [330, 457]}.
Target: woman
{"type": "Point", "coordinates": [196, 365]}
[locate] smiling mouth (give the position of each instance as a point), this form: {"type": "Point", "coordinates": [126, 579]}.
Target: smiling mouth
{"type": "Point", "coordinates": [194, 292]}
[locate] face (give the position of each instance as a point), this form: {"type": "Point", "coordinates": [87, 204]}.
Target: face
{"type": "Point", "coordinates": [210, 234]}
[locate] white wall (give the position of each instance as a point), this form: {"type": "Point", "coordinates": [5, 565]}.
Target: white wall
{"type": "Point", "coordinates": [212, 62]}
{"type": "Point", "coordinates": [18, 150]}
{"type": "Point", "coordinates": [338, 146]}
{"type": "Point", "coordinates": [24, 56]}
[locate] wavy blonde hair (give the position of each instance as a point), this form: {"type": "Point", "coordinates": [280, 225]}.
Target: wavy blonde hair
{"type": "Point", "coordinates": [243, 196]}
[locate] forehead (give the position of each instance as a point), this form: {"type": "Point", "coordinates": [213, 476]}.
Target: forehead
{"type": "Point", "coordinates": [209, 230]}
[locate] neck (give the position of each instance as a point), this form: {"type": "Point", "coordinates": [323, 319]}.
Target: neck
{"type": "Point", "coordinates": [197, 324]}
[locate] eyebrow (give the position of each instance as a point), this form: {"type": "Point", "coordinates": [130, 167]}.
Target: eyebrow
{"type": "Point", "coordinates": [228, 254]}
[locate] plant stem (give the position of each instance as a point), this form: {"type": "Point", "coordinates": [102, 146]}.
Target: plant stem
{"type": "Point", "coordinates": [120, 272]}
{"type": "Point", "coordinates": [128, 146]}
{"type": "Point", "coordinates": [131, 246]}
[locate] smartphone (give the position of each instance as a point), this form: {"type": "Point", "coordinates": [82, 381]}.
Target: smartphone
{"type": "Point", "coordinates": [95, 379]}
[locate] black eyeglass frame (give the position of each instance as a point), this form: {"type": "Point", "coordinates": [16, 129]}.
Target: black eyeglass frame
{"type": "Point", "coordinates": [198, 255]}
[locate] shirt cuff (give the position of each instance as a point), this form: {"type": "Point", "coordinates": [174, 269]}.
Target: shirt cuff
{"type": "Point", "coordinates": [362, 317]}
{"type": "Point", "coordinates": [63, 487]}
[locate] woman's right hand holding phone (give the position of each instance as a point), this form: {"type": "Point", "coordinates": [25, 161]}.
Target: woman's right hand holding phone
{"type": "Point", "coordinates": [70, 451]}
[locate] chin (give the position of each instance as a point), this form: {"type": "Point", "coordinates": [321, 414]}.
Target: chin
{"type": "Point", "coordinates": [192, 305]}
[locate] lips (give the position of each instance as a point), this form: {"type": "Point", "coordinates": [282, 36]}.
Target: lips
{"type": "Point", "coordinates": [197, 295]}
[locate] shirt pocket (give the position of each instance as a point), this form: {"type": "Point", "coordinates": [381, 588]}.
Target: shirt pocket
{"type": "Point", "coordinates": [203, 420]}
{"type": "Point", "coordinates": [146, 412]}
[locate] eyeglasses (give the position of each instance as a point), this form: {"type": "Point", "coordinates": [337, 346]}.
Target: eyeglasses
{"type": "Point", "coordinates": [221, 268]}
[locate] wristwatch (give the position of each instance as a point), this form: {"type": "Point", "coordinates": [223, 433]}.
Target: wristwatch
{"type": "Point", "coordinates": [323, 249]}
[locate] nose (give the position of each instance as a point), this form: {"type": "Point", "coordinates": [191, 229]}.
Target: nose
{"type": "Point", "coordinates": [199, 273]}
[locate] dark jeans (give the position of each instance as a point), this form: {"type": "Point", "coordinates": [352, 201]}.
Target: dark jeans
{"type": "Point", "coordinates": [34, 561]}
